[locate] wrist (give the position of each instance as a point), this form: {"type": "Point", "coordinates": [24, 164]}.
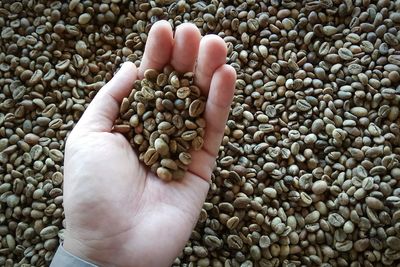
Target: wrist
{"type": "Point", "coordinates": [64, 258]}
{"type": "Point", "coordinates": [84, 252]}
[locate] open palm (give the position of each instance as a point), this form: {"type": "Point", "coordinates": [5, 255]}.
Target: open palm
{"type": "Point", "coordinates": [117, 212]}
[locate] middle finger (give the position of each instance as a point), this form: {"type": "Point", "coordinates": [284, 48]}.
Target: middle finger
{"type": "Point", "coordinates": [186, 47]}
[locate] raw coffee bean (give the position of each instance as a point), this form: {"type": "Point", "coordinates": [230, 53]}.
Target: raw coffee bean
{"type": "Point", "coordinates": [56, 155]}
{"type": "Point", "coordinates": [169, 163]}
{"type": "Point", "coordinates": [312, 127]}
{"type": "Point", "coordinates": [212, 242]}
{"type": "Point", "coordinates": [344, 246]}
{"type": "Point", "coordinates": [183, 93]}
{"type": "Point", "coordinates": [161, 147]}
{"type": "Point", "coordinates": [196, 108]}
{"type": "Point", "coordinates": [197, 143]}
{"type": "Point", "coordinates": [84, 18]}
{"type": "Point", "coordinates": [185, 158]}
{"type": "Point", "coordinates": [335, 219]}
{"type": "Point", "coordinates": [189, 135]}
{"type": "Point", "coordinates": [345, 54]}
{"type": "Point", "coordinates": [374, 203]}
{"type": "Point", "coordinates": [151, 156]}
{"type": "Point", "coordinates": [234, 242]}
{"type": "Point", "coordinates": [232, 223]}
{"type": "Point", "coordinates": [164, 174]}
{"type": "Point", "coordinates": [151, 75]}
{"type": "Point", "coordinates": [49, 232]}
{"type": "Point", "coordinates": [303, 105]}
{"type": "Point", "coordinates": [393, 242]}
{"type": "Point", "coordinates": [312, 217]}
{"type": "Point", "coordinates": [265, 241]}
{"type": "Point", "coordinates": [319, 187]}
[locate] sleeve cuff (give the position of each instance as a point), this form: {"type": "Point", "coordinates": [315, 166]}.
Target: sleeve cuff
{"type": "Point", "coordinates": [62, 258]}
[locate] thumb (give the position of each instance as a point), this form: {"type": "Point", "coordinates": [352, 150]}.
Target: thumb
{"type": "Point", "coordinates": [103, 110]}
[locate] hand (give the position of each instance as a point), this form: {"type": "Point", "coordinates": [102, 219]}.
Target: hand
{"type": "Point", "coordinates": [117, 212]}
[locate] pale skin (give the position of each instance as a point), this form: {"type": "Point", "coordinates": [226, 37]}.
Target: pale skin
{"type": "Point", "coordinates": [117, 212]}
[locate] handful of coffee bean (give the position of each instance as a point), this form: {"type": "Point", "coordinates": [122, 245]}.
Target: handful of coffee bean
{"type": "Point", "coordinates": [162, 119]}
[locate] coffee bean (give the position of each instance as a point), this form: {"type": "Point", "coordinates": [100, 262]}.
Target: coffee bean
{"type": "Point", "coordinates": [374, 203]}
{"type": "Point", "coordinates": [63, 65]}
{"type": "Point", "coordinates": [151, 75]}
{"type": "Point", "coordinates": [196, 108]}
{"type": "Point", "coordinates": [265, 241]}
{"type": "Point", "coordinates": [212, 242]}
{"type": "Point", "coordinates": [84, 18]}
{"type": "Point", "coordinates": [189, 135]}
{"type": "Point", "coordinates": [359, 111]}
{"type": "Point", "coordinates": [319, 187]}
{"type": "Point", "coordinates": [270, 192]}
{"type": "Point", "coordinates": [148, 93]}
{"type": "Point", "coordinates": [312, 217]}
{"type": "Point", "coordinates": [7, 33]}
{"type": "Point", "coordinates": [303, 105]}
{"type": "Point", "coordinates": [393, 242]}
{"type": "Point", "coordinates": [305, 198]}
{"type": "Point", "coordinates": [56, 155]}
{"type": "Point", "coordinates": [312, 126]}
{"type": "Point", "coordinates": [151, 156]}
{"type": "Point", "coordinates": [234, 242]}
{"type": "Point", "coordinates": [49, 232]}
{"type": "Point", "coordinates": [355, 69]}
{"type": "Point", "coordinates": [174, 80]}
{"type": "Point", "coordinates": [185, 158]}
{"type": "Point", "coordinates": [345, 54]}
{"type": "Point", "coordinates": [197, 143]}
{"type": "Point", "coordinates": [344, 246]}
{"type": "Point", "coordinates": [164, 174]}
{"type": "Point", "coordinates": [241, 202]}
{"type": "Point", "coordinates": [232, 223]}
{"type": "Point", "coordinates": [161, 147]}
{"type": "Point", "coordinates": [183, 93]}
{"type": "Point", "coordinates": [335, 219]}
{"type": "Point", "coordinates": [169, 163]}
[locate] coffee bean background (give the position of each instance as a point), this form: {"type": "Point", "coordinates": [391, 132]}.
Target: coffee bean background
{"type": "Point", "coordinates": [308, 170]}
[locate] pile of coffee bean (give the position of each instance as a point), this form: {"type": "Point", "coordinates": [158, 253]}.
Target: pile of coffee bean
{"type": "Point", "coordinates": [162, 117]}
{"type": "Point", "coordinates": [308, 171]}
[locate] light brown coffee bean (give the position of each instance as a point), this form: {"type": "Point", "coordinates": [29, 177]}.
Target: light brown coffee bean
{"type": "Point", "coordinates": [197, 143]}
{"type": "Point", "coordinates": [49, 232]}
{"type": "Point", "coordinates": [169, 163]}
{"type": "Point", "coordinates": [151, 156]}
{"type": "Point", "coordinates": [196, 108]}
{"type": "Point", "coordinates": [183, 92]}
{"type": "Point", "coordinates": [161, 147]}
{"type": "Point", "coordinates": [189, 135]}
{"type": "Point", "coordinates": [164, 174]}
{"type": "Point", "coordinates": [185, 158]}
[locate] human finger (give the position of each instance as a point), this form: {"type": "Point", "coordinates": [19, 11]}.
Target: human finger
{"type": "Point", "coordinates": [186, 47]}
{"type": "Point", "coordinates": [158, 50]}
{"type": "Point", "coordinates": [102, 111]}
{"type": "Point", "coordinates": [212, 55]}
{"type": "Point", "coordinates": [216, 113]}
